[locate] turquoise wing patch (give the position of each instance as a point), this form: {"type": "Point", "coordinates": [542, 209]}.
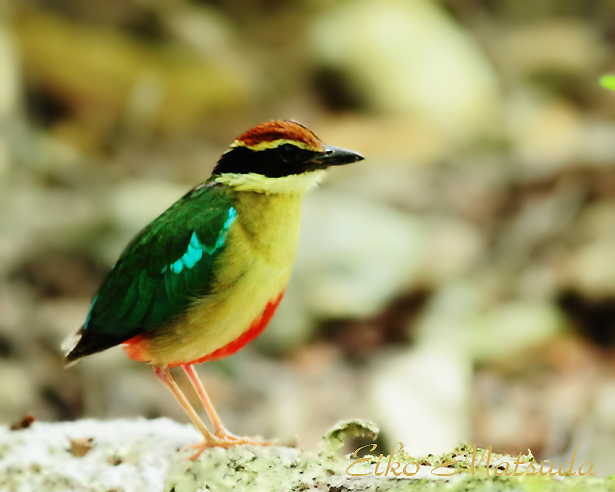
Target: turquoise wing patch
{"type": "Point", "coordinates": [196, 248]}
{"type": "Point", "coordinates": [164, 269]}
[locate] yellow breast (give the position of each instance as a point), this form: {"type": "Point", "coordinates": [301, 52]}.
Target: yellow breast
{"type": "Point", "coordinates": [252, 271]}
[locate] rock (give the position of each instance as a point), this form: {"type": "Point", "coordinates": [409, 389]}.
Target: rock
{"type": "Point", "coordinates": [9, 76]}
{"type": "Point", "coordinates": [333, 442]}
{"type": "Point", "coordinates": [124, 455]}
{"type": "Point", "coordinates": [514, 326]}
{"type": "Point", "coordinates": [144, 455]}
{"type": "Point", "coordinates": [388, 141]}
{"type": "Point", "coordinates": [16, 389]}
{"type": "Point", "coordinates": [465, 315]}
{"type": "Point", "coordinates": [548, 133]}
{"type": "Point", "coordinates": [35, 216]}
{"type": "Point", "coordinates": [591, 269]}
{"type": "Point", "coordinates": [9, 98]}
{"type": "Point", "coordinates": [569, 46]}
{"type": "Point", "coordinates": [410, 58]}
{"type": "Point", "coordinates": [354, 257]}
{"type": "Point", "coordinates": [206, 29]}
{"type": "Point", "coordinates": [116, 78]}
{"type": "Point", "coordinates": [455, 247]}
{"type": "Point", "coordinates": [422, 397]}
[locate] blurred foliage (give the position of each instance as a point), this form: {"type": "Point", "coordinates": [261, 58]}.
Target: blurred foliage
{"type": "Point", "coordinates": [458, 284]}
{"type": "Point", "coordinates": [608, 81]}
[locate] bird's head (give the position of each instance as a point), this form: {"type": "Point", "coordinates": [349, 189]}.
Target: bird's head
{"type": "Point", "coordinates": [278, 157]}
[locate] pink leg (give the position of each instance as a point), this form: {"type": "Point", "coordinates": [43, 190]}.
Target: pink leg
{"type": "Point", "coordinates": [165, 376]}
{"type": "Point", "coordinates": [219, 431]}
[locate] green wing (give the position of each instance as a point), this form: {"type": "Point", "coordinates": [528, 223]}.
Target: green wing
{"type": "Point", "coordinates": [161, 272]}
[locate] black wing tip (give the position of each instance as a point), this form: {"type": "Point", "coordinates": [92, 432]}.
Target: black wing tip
{"type": "Point", "coordinates": [71, 360]}
{"type": "Point", "coordinates": [76, 354]}
{"type": "Point", "coordinates": [83, 344]}
{"type": "Point", "coordinates": [90, 343]}
{"type": "Point", "coordinates": [70, 346]}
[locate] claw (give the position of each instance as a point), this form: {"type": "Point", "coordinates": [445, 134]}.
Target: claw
{"type": "Point", "coordinates": [225, 441]}
{"type": "Point", "coordinates": [225, 435]}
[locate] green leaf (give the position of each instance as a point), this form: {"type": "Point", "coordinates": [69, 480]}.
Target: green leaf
{"type": "Point", "coordinates": [335, 438]}
{"type": "Point", "coordinates": [608, 82]}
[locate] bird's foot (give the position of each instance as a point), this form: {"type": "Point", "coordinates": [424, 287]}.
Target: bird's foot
{"type": "Point", "coordinates": [224, 440]}
{"type": "Point", "coordinates": [225, 435]}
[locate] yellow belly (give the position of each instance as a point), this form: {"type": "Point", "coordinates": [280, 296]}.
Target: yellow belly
{"type": "Point", "coordinates": [252, 271]}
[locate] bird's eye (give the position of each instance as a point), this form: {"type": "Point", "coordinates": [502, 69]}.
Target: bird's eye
{"type": "Point", "coordinates": [288, 152]}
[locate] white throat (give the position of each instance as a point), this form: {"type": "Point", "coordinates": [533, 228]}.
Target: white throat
{"type": "Point", "coordinates": [294, 184]}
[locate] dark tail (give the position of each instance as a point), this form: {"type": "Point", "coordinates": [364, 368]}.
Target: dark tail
{"type": "Point", "coordinates": [87, 342]}
{"type": "Point", "coordinates": [70, 347]}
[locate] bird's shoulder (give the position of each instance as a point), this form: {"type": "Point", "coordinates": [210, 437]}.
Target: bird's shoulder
{"type": "Point", "coordinates": [198, 220]}
{"type": "Point", "coordinates": [165, 267]}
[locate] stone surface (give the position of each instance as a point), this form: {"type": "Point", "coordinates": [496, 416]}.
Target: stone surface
{"type": "Point", "coordinates": [144, 456]}
{"type": "Point", "coordinates": [125, 455]}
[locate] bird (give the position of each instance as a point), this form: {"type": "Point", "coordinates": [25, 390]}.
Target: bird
{"type": "Point", "coordinates": [205, 277]}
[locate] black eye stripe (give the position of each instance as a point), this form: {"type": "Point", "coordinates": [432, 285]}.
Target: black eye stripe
{"type": "Point", "coordinates": [288, 151]}
{"type": "Point", "coordinates": [270, 162]}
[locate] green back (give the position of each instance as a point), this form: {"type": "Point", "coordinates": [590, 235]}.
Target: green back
{"type": "Point", "coordinates": [162, 271]}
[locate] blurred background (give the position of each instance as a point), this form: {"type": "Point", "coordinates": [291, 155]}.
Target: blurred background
{"type": "Point", "coordinates": [457, 285]}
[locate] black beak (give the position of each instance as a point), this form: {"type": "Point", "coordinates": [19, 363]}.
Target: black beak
{"type": "Point", "coordinates": [336, 156]}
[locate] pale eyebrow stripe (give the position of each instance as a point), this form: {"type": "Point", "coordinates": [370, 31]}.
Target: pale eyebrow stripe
{"type": "Point", "coordinates": [275, 143]}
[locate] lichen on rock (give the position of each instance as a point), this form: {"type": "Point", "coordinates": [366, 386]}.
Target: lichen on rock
{"type": "Point", "coordinates": [149, 456]}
